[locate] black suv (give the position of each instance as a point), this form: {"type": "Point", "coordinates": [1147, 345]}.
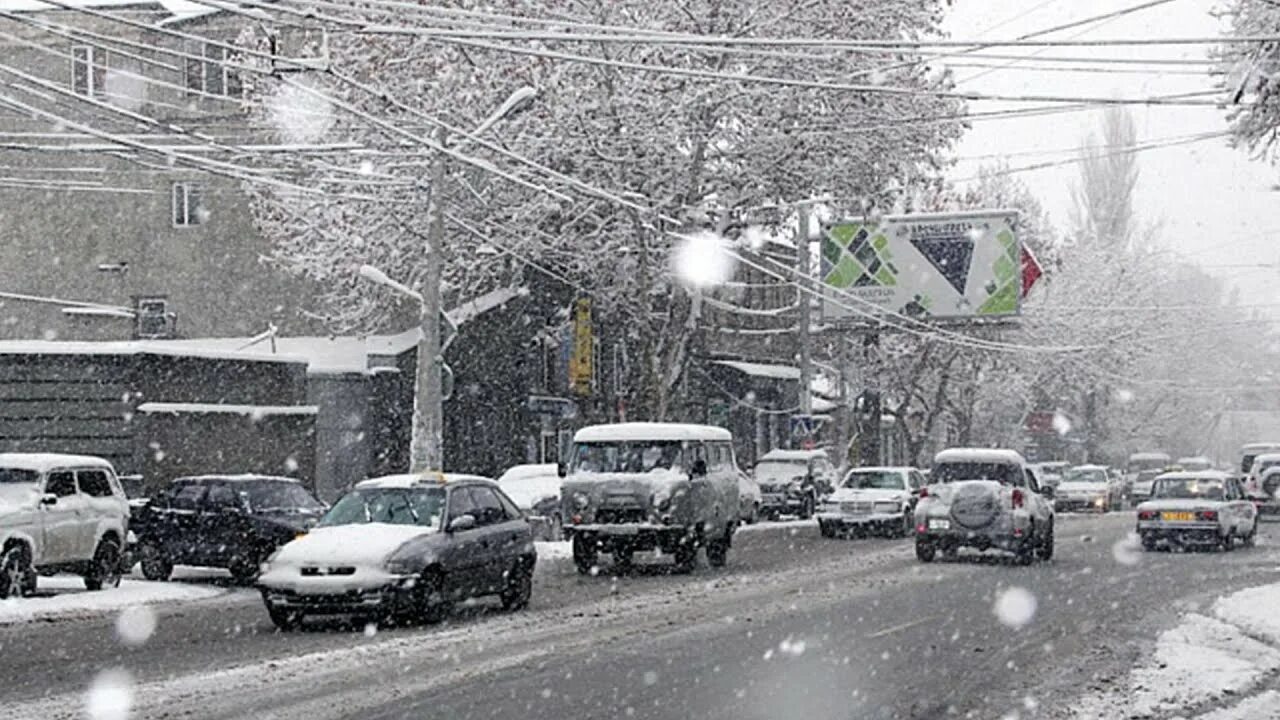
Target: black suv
{"type": "Point", "coordinates": [227, 521]}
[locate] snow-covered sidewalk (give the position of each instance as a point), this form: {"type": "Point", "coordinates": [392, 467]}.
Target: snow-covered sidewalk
{"type": "Point", "coordinates": [1217, 665]}
{"type": "Point", "coordinates": [64, 596]}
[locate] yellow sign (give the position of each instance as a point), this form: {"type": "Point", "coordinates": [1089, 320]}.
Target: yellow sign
{"type": "Point", "coordinates": [581, 360]}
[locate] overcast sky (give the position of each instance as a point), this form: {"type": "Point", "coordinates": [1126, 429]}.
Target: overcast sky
{"type": "Point", "coordinates": [1214, 202]}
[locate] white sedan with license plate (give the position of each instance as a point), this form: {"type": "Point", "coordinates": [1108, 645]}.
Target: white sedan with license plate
{"type": "Point", "coordinates": [872, 499]}
{"type": "Point", "coordinates": [1197, 509]}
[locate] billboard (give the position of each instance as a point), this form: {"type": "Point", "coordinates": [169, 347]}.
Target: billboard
{"type": "Point", "coordinates": [961, 265]}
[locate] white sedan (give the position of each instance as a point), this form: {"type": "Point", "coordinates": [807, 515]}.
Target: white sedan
{"type": "Point", "coordinates": [1197, 508]}
{"type": "Point", "coordinates": [881, 499]}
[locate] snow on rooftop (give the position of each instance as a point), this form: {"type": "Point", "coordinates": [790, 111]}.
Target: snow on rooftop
{"type": "Point", "coordinates": [177, 8]}
{"type": "Point", "coordinates": [175, 348]}
{"type": "Point", "coordinates": [762, 370]}
{"type": "Point", "coordinates": [242, 477]}
{"type": "Point", "coordinates": [44, 462]}
{"type": "Point", "coordinates": [645, 431]}
{"type": "Point", "coordinates": [793, 455]}
{"type": "Point", "coordinates": [103, 312]}
{"type": "Point", "coordinates": [157, 408]}
{"type": "Point", "coordinates": [1194, 475]}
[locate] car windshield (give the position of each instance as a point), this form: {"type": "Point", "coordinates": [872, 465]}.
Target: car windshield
{"type": "Point", "coordinates": [1002, 473]}
{"type": "Point", "coordinates": [780, 470]}
{"type": "Point", "coordinates": [267, 495]}
{"type": "Point", "coordinates": [17, 476]}
{"type": "Point", "coordinates": [1085, 476]}
{"type": "Point", "coordinates": [875, 480]}
{"type": "Point", "coordinates": [1188, 489]}
{"type": "Point", "coordinates": [627, 457]}
{"type": "Point", "coordinates": [394, 506]}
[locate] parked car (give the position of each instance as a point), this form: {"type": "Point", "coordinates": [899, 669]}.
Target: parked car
{"type": "Point", "coordinates": [404, 546]}
{"type": "Point", "coordinates": [793, 481]}
{"type": "Point", "coordinates": [639, 486]}
{"type": "Point", "coordinates": [873, 499]}
{"type": "Point", "coordinates": [59, 513]}
{"type": "Point", "coordinates": [984, 499]}
{"type": "Point", "coordinates": [1268, 501]}
{"type": "Point", "coordinates": [1088, 487]}
{"type": "Point", "coordinates": [535, 489]}
{"type": "Point", "coordinates": [225, 521]}
{"type": "Point", "coordinates": [1197, 508]}
{"type": "Point", "coordinates": [749, 499]}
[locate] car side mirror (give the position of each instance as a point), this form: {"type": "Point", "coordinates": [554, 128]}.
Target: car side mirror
{"type": "Point", "coordinates": [462, 523]}
{"type": "Point", "coordinates": [561, 470]}
{"type": "Point", "coordinates": [699, 469]}
{"type": "Point", "coordinates": [48, 499]}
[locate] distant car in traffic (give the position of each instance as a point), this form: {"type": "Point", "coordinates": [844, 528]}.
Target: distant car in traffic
{"type": "Point", "coordinates": [59, 513]}
{"type": "Point", "coordinates": [1141, 469]}
{"type": "Point", "coordinates": [872, 499]}
{"type": "Point", "coordinates": [1252, 480]}
{"type": "Point", "coordinates": [983, 499]}
{"type": "Point", "coordinates": [1204, 508]}
{"type": "Point", "coordinates": [1248, 454]}
{"type": "Point", "coordinates": [535, 489]}
{"type": "Point", "coordinates": [224, 521]}
{"type": "Point", "coordinates": [1268, 502]}
{"type": "Point", "coordinates": [1088, 487]}
{"type": "Point", "coordinates": [634, 487]}
{"type": "Point", "coordinates": [793, 482]}
{"type": "Point", "coordinates": [1140, 489]}
{"type": "Point", "coordinates": [404, 546]}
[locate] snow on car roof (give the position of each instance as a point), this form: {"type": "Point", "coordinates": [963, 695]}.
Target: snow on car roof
{"type": "Point", "coordinates": [525, 472]}
{"type": "Point", "coordinates": [242, 477]}
{"type": "Point", "coordinates": [44, 462]}
{"type": "Point", "coordinates": [642, 431]}
{"type": "Point", "coordinates": [793, 455]}
{"type": "Point", "coordinates": [1195, 475]}
{"type": "Point", "coordinates": [881, 468]}
{"type": "Point", "coordinates": [409, 480]}
{"type": "Point", "coordinates": [1266, 457]}
{"type": "Point", "coordinates": [1149, 456]}
{"type": "Point", "coordinates": [980, 455]}
{"type": "Point", "coordinates": [1091, 467]}
{"type": "Point", "coordinates": [1261, 446]}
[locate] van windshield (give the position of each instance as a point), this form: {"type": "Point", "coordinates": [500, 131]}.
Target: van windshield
{"type": "Point", "coordinates": [627, 457]}
{"type": "Point", "coordinates": [959, 471]}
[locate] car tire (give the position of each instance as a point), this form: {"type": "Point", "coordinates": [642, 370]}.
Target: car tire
{"type": "Point", "coordinates": [826, 530]}
{"type": "Point", "coordinates": [1229, 542]}
{"type": "Point", "coordinates": [1148, 543]}
{"type": "Point", "coordinates": [155, 566]}
{"type": "Point", "coordinates": [104, 569]}
{"type": "Point", "coordinates": [1045, 549]}
{"type": "Point", "coordinates": [908, 524]}
{"type": "Point", "coordinates": [925, 551]}
{"type": "Point", "coordinates": [718, 551]}
{"type": "Point", "coordinates": [284, 619]}
{"type": "Point", "coordinates": [1250, 539]}
{"type": "Point", "coordinates": [519, 586]}
{"type": "Point", "coordinates": [624, 559]}
{"type": "Point", "coordinates": [686, 557]}
{"type": "Point", "coordinates": [807, 508]}
{"type": "Point", "coordinates": [584, 554]}
{"type": "Point", "coordinates": [15, 565]}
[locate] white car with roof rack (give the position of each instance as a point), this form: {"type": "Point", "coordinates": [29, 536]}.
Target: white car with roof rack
{"type": "Point", "coordinates": [1197, 508]}
{"type": "Point", "coordinates": [1088, 487]}
{"type": "Point", "coordinates": [404, 546]}
{"type": "Point", "coordinates": [983, 499]}
{"type": "Point", "coordinates": [873, 498]}
{"type": "Point", "coordinates": [635, 487]}
{"type": "Point", "coordinates": [60, 513]}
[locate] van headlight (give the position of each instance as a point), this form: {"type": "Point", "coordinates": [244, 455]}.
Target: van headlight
{"type": "Point", "coordinates": [581, 501]}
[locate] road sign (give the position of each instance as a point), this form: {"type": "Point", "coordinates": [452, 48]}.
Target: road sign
{"type": "Point", "coordinates": [562, 408]}
{"type": "Point", "coordinates": [1031, 270]}
{"type": "Point", "coordinates": [805, 425]}
{"type": "Point", "coordinates": [952, 265]}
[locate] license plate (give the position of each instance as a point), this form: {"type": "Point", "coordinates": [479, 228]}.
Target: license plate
{"type": "Point", "coordinates": [1177, 516]}
{"type": "Point", "coordinates": [939, 524]}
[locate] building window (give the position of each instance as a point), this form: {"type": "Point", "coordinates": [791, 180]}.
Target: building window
{"type": "Point", "coordinates": [88, 71]}
{"type": "Point", "coordinates": [211, 75]}
{"type": "Point", "coordinates": [188, 204]}
{"type": "Point", "coordinates": [153, 318]}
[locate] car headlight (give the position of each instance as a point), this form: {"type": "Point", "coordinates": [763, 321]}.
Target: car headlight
{"type": "Point", "coordinates": [581, 501]}
{"type": "Point", "coordinates": [886, 507]}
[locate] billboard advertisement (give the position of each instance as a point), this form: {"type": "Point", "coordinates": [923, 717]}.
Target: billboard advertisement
{"type": "Point", "coordinates": [962, 265]}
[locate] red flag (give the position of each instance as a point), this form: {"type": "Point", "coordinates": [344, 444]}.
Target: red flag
{"type": "Point", "coordinates": [1031, 270]}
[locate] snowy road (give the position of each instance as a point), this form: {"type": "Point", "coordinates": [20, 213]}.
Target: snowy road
{"type": "Point", "coordinates": [796, 627]}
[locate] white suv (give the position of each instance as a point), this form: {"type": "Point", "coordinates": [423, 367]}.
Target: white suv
{"type": "Point", "coordinates": [59, 513]}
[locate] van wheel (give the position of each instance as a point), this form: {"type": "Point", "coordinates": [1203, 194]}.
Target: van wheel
{"type": "Point", "coordinates": [284, 619]}
{"type": "Point", "coordinates": [584, 554]}
{"type": "Point", "coordinates": [925, 551]}
{"type": "Point", "coordinates": [155, 566]}
{"type": "Point", "coordinates": [718, 551]}
{"type": "Point", "coordinates": [1046, 545]}
{"type": "Point", "coordinates": [15, 566]}
{"type": "Point", "coordinates": [104, 571]}
{"type": "Point", "coordinates": [806, 508]}
{"type": "Point", "coordinates": [686, 557]}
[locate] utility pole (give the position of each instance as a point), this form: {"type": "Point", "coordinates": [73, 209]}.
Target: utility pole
{"type": "Point", "coordinates": [426, 448]}
{"type": "Point", "coordinates": [802, 292]}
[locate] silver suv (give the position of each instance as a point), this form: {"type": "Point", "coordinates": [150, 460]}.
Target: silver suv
{"type": "Point", "coordinates": [59, 513]}
{"type": "Point", "coordinates": [984, 499]}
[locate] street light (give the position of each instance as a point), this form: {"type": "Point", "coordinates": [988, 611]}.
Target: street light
{"type": "Point", "coordinates": [426, 449]}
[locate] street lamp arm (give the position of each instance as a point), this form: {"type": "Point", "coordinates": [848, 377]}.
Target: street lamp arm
{"type": "Point", "coordinates": [373, 274]}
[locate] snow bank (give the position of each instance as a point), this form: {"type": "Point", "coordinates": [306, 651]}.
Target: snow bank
{"type": "Point", "coordinates": [1256, 611]}
{"type": "Point", "coordinates": [70, 599]}
{"type": "Point", "coordinates": [550, 551]}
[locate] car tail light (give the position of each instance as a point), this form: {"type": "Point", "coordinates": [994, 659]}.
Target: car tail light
{"type": "Point", "coordinates": [1017, 497]}
{"type": "Point", "coordinates": [921, 529]}
{"type": "Point", "coordinates": [1211, 515]}
{"type": "Point", "coordinates": [1146, 515]}
{"type": "Point", "coordinates": [924, 492]}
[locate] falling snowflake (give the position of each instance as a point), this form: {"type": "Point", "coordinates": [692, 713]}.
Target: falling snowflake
{"type": "Point", "coordinates": [291, 464]}
{"type": "Point", "coordinates": [300, 114]}
{"type": "Point", "coordinates": [1128, 550]}
{"type": "Point", "coordinates": [110, 696]}
{"type": "Point", "coordinates": [703, 260]}
{"type": "Point", "coordinates": [135, 625]}
{"type": "Point", "coordinates": [650, 678]}
{"type": "Point", "coordinates": [1124, 396]}
{"type": "Point", "coordinates": [794, 648]}
{"type": "Point", "coordinates": [1015, 607]}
